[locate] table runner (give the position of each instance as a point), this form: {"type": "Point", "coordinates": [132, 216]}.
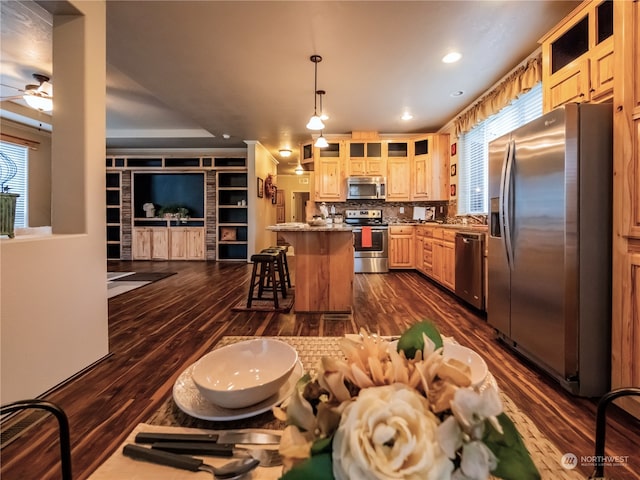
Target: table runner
{"type": "Point", "coordinates": [545, 454]}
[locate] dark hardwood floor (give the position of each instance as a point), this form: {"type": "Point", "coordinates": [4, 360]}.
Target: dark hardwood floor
{"type": "Point", "coordinates": [158, 330]}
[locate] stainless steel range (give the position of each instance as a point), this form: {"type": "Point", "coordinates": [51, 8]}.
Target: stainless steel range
{"type": "Point", "coordinates": [371, 240]}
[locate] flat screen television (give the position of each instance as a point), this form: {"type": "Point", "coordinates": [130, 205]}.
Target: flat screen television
{"type": "Point", "coordinates": [169, 189]}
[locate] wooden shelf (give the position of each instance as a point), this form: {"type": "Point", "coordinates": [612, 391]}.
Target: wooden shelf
{"type": "Point", "coordinates": [232, 219]}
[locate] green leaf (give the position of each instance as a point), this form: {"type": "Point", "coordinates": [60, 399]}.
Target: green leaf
{"type": "Point", "coordinates": [412, 341]}
{"type": "Point", "coordinates": [318, 467]}
{"type": "Point", "coordinates": [514, 460]}
{"type": "Point", "coordinates": [324, 445]}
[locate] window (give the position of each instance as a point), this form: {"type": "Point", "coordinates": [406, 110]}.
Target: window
{"type": "Point", "coordinates": [474, 149]}
{"type": "Point", "coordinates": [19, 156]}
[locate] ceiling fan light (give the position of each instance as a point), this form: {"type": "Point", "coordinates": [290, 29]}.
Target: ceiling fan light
{"type": "Point", "coordinates": [46, 88]}
{"type": "Point", "coordinates": [321, 142]}
{"type": "Point", "coordinates": [315, 123]}
{"type": "Point", "coordinates": [38, 101]}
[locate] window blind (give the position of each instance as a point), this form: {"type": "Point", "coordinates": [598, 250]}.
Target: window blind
{"type": "Point", "coordinates": [18, 184]}
{"type": "Point", "coordinates": [474, 149]}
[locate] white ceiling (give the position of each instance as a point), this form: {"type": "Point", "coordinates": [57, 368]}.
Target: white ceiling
{"type": "Point", "coordinates": [183, 73]}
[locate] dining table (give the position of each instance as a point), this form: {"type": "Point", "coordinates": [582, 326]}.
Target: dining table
{"type": "Point", "coordinates": [171, 417]}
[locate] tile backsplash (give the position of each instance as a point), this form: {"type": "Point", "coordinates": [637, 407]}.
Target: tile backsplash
{"type": "Point", "coordinates": [391, 211]}
{"type": "Point", "coordinates": [403, 211]}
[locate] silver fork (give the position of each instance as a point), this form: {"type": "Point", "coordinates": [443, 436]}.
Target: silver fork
{"type": "Point", "coordinates": [266, 457]}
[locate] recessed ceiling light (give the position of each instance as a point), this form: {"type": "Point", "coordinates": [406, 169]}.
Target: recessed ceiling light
{"type": "Point", "coordinates": [226, 136]}
{"type": "Point", "coordinates": [451, 57]}
{"type": "Point", "coordinates": [457, 93]}
{"type": "Point", "coordinates": [406, 116]}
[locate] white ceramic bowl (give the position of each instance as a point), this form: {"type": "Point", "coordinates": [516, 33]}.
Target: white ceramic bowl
{"type": "Point", "coordinates": [476, 363]}
{"type": "Point", "coordinates": [244, 373]}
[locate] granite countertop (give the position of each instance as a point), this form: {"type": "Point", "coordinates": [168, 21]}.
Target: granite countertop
{"type": "Point", "coordinates": [453, 226]}
{"type": "Point", "coordinates": [305, 227]}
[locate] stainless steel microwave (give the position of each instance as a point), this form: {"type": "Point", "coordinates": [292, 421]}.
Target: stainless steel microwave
{"type": "Point", "coordinates": [366, 188]}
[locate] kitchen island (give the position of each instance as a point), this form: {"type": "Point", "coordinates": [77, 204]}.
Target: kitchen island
{"type": "Point", "coordinates": [323, 266]}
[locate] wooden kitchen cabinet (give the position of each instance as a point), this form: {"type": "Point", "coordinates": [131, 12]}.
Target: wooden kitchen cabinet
{"type": "Point", "coordinates": [187, 243]}
{"type": "Point", "coordinates": [168, 243]}
{"type": "Point", "coordinates": [398, 179]}
{"type": "Point", "coordinates": [577, 56]}
{"type": "Point", "coordinates": [150, 243]}
{"type": "Point", "coordinates": [449, 264]}
{"type": "Point", "coordinates": [419, 248]}
{"type": "Point", "coordinates": [444, 257]}
{"type": "Point", "coordinates": [365, 158]}
{"type": "Point", "coordinates": [421, 169]}
{"type": "Point", "coordinates": [427, 262]}
{"type": "Point", "coordinates": [330, 173]}
{"type": "Point", "coordinates": [398, 171]}
{"type": "Point", "coordinates": [625, 322]}
{"type": "Point", "coordinates": [401, 246]}
{"type": "Point", "coordinates": [430, 167]}
{"type": "Point", "coordinates": [306, 153]}
{"type": "Point", "coordinates": [424, 249]}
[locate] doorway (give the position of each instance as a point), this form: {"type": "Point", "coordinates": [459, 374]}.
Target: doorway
{"type": "Point", "coordinates": [299, 200]}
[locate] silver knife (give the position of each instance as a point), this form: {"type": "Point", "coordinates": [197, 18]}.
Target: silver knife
{"type": "Point", "coordinates": [257, 438]}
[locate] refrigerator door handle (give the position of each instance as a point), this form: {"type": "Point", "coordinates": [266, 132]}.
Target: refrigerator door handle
{"type": "Point", "coordinates": [506, 201]}
{"type": "Point", "coordinates": [502, 200]}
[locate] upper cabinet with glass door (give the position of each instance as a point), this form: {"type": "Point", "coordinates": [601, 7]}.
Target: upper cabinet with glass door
{"type": "Point", "coordinates": [430, 167]}
{"type": "Point", "coordinates": [365, 158]}
{"type": "Point", "coordinates": [577, 56]}
{"type": "Point", "coordinates": [330, 174]}
{"type": "Point", "coordinates": [365, 155]}
{"type": "Point", "coordinates": [398, 171]}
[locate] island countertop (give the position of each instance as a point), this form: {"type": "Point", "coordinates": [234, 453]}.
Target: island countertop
{"type": "Point", "coordinates": [324, 272]}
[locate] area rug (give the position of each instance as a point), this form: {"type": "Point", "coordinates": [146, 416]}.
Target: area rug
{"type": "Point", "coordinates": [144, 277]}
{"type": "Point", "coordinates": [122, 282]}
{"type": "Point", "coordinates": [266, 305]}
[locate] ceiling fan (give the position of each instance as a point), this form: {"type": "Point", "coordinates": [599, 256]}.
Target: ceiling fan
{"type": "Point", "coordinates": [39, 97]}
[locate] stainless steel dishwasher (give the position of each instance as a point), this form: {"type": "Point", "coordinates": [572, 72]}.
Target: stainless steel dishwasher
{"type": "Point", "coordinates": [470, 268]}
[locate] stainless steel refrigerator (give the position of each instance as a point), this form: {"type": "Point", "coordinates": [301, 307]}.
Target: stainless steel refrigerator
{"type": "Point", "coordinates": [549, 278]}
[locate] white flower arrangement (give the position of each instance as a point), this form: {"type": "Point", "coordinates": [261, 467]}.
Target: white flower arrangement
{"type": "Point", "coordinates": [405, 412]}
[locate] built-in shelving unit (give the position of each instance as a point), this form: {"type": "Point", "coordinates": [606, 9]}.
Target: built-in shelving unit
{"type": "Point", "coordinates": [209, 187]}
{"type": "Point", "coordinates": [232, 209]}
{"type": "Point", "coordinates": [134, 162]}
{"type": "Point", "coordinates": [114, 214]}
{"type": "Point", "coordinates": [161, 235]}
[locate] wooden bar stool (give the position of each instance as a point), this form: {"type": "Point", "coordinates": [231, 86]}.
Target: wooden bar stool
{"type": "Point", "coordinates": [268, 275]}
{"type": "Point", "coordinates": [282, 250]}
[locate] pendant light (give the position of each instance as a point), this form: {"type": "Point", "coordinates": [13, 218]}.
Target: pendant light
{"type": "Point", "coordinates": [299, 170]}
{"type": "Point", "coordinates": [321, 142]}
{"type": "Point", "coordinates": [315, 122]}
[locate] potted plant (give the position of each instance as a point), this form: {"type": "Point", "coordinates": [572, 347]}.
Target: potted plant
{"type": "Point", "coordinates": [8, 200]}
{"type": "Point", "coordinates": [173, 211]}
